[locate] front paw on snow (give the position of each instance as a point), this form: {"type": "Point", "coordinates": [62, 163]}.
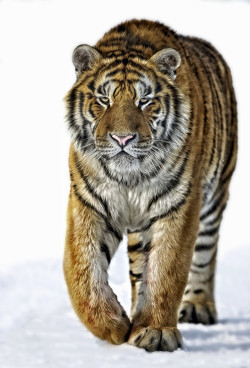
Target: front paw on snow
{"type": "Point", "coordinates": [156, 339]}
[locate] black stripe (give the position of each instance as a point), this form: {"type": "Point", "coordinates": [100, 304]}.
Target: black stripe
{"type": "Point", "coordinates": [100, 90]}
{"type": "Point", "coordinates": [209, 232]}
{"type": "Point", "coordinates": [147, 247]}
{"type": "Point", "coordinates": [104, 248]}
{"type": "Point", "coordinates": [198, 291]}
{"type": "Point", "coordinates": [84, 136]}
{"type": "Point", "coordinates": [106, 67]}
{"type": "Point", "coordinates": [201, 247]}
{"type": "Point", "coordinates": [228, 177]}
{"type": "Point", "coordinates": [204, 105]}
{"type": "Point", "coordinates": [175, 131]}
{"type": "Point", "coordinates": [135, 247]}
{"type": "Point", "coordinates": [217, 109]}
{"type": "Point", "coordinates": [121, 28]}
{"type": "Point", "coordinates": [71, 99]}
{"type": "Point", "coordinates": [229, 158]}
{"type": "Point", "coordinates": [158, 87]}
{"type": "Point", "coordinates": [172, 184]}
{"type": "Point", "coordinates": [218, 217]}
{"type": "Point", "coordinates": [174, 208]}
{"type": "Point", "coordinates": [90, 110]}
{"type": "Point", "coordinates": [114, 72]}
{"type": "Point", "coordinates": [203, 265]}
{"type": "Point", "coordinates": [136, 65]}
{"type": "Point", "coordinates": [91, 189]}
{"type": "Point", "coordinates": [81, 102]}
{"type": "Point", "coordinates": [133, 71]}
{"type": "Point", "coordinates": [214, 206]}
{"type": "Point", "coordinates": [91, 85]}
{"type": "Point", "coordinates": [137, 275]}
{"type": "Point", "coordinates": [128, 40]}
{"type": "Point", "coordinates": [107, 223]}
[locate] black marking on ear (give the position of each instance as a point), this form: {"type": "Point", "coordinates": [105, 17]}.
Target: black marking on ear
{"type": "Point", "coordinates": [84, 57]}
{"type": "Point", "coordinates": [167, 61]}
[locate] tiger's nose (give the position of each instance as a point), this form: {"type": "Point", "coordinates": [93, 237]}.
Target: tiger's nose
{"type": "Point", "coordinates": [123, 140]}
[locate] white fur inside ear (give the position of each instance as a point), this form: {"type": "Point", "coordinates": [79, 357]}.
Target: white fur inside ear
{"type": "Point", "coordinates": [84, 57]}
{"type": "Point", "coordinates": [168, 61]}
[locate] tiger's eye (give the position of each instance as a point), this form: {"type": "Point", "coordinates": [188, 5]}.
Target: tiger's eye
{"type": "Point", "coordinates": [104, 100]}
{"type": "Point", "coordinates": [143, 101]}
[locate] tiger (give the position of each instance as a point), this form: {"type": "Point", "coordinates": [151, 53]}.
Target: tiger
{"type": "Point", "coordinates": [152, 117]}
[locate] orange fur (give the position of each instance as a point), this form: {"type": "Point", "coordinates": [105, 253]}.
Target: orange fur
{"type": "Point", "coordinates": [167, 186]}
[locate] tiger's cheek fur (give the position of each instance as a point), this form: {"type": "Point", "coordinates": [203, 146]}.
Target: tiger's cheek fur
{"type": "Point", "coordinates": [153, 122]}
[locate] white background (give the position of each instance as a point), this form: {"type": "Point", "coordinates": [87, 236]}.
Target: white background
{"type": "Point", "coordinates": [38, 327]}
{"type": "Point", "coordinates": [37, 39]}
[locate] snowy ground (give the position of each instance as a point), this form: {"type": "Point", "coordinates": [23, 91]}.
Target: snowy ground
{"type": "Point", "coordinates": [40, 329]}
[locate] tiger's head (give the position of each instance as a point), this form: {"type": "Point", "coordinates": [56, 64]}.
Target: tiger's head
{"type": "Point", "coordinates": [126, 110]}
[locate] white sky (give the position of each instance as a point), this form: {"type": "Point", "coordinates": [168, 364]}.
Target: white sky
{"type": "Point", "coordinates": [36, 43]}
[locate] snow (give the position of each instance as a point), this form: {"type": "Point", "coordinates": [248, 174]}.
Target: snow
{"type": "Point", "coordinates": [38, 327]}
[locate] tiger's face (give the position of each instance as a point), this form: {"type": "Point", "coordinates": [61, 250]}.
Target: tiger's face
{"type": "Point", "coordinates": [124, 110]}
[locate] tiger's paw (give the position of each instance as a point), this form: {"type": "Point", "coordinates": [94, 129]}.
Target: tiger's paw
{"type": "Point", "coordinates": [197, 312]}
{"type": "Point", "coordinates": [107, 322]}
{"type": "Point", "coordinates": [156, 339]}
{"type": "Point", "coordinates": [120, 334]}
{"type": "Point", "coordinates": [115, 332]}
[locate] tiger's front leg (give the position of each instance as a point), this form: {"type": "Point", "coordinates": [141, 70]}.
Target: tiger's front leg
{"type": "Point", "coordinates": [164, 279]}
{"type": "Point", "coordinates": [88, 251]}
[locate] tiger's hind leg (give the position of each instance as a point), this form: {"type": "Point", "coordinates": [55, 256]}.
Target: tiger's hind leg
{"type": "Point", "coordinates": [136, 263]}
{"type": "Point", "coordinates": [198, 302]}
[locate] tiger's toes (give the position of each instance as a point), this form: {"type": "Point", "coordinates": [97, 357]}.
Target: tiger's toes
{"type": "Point", "coordinates": [197, 312]}
{"type": "Point", "coordinates": [153, 339]}
{"type": "Point", "coordinates": [120, 333]}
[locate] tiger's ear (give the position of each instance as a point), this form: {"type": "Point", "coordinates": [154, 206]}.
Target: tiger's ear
{"type": "Point", "coordinates": [167, 61]}
{"type": "Point", "coordinates": [84, 57]}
